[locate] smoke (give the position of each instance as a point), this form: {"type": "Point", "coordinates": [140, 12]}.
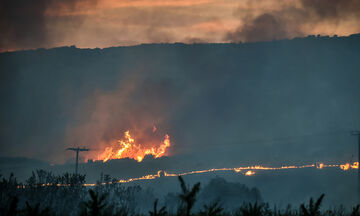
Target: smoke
{"type": "Point", "coordinates": [99, 23]}
{"type": "Point", "coordinates": [264, 27]}
{"type": "Point", "coordinates": [25, 24]}
{"type": "Point", "coordinates": [292, 20]}
{"type": "Point", "coordinates": [137, 105]}
{"type": "Point", "coordinates": [337, 9]}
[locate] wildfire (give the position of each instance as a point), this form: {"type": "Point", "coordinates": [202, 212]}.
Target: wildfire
{"type": "Point", "coordinates": [129, 148]}
{"type": "Point", "coordinates": [347, 166]}
{"type": "Point", "coordinates": [250, 173]}
{"type": "Point", "coordinates": [319, 165]}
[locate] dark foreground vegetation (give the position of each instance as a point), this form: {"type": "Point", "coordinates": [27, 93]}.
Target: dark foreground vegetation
{"type": "Point", "coordinates": [46, 194]}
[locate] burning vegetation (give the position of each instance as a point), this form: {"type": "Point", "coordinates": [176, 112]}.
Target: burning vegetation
{"type": "Point", "coordinates": [129, 147]}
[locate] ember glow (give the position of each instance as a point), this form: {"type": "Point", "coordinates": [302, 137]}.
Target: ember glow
{"type": "Point", "coordinates": [250, 173]}
{"type": "Point", "coordinates": [128, 147]}
{"type": "Point", "coordinates": [347, 166]}
{"type": "Point", "coordinates": [246, 170]}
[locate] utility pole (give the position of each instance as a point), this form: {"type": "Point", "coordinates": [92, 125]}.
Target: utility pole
{"type": "Point", "coordinates": [357, 133]}
{"type": "Point", "coordinates": [77, 150]}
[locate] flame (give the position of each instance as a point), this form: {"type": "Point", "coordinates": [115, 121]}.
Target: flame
{"type": "Point", "coordinates": [128, 148]}
{"type": "Point", "coordinates": [320, 165]}
{"type": "Point", "coordinates": [250, 173]}
{"type": "Point", "coordinates": [347, 166]}
{"type": "Point", "coordinates": [355, 165]}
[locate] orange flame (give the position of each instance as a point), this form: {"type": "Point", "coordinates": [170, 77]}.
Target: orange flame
{"type": "Point", "coordinates": [347, 166]}
{"type": "Point", "coordinates": [128, 148]}
{"type": "Point", "coordinates": [320, 165]}
{"type": "Point", "coordinates": [355, 165]}
{"type": "Point", "coordinates": [250, 173]}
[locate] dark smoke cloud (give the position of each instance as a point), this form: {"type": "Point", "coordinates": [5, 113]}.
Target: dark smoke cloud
{"type": "Point", "coordinates": [96, 23]}
{"type": "Point", "coordinates": [332, 9]}
{"type": "Point", "coordinates": [24, 24]}
{"type": "Point", "coordinates": [288, 21]}
{"type": "Point", "coordinates": [263, 27]}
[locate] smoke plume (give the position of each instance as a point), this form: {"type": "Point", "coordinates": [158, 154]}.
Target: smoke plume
{"type": "Point", "coordinates": [141, 107]}
{"type": "Point", "coordinates": [292, 20]}
{"type": "Point", "coordinates": [25, 24]}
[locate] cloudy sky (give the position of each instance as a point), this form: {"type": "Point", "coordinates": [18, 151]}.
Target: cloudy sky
{"type": "Point", "coordinates": [103, 23]}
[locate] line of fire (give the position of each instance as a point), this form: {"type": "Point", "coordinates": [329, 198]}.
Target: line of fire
{"type": "Point", "coordinates": [127, 147]}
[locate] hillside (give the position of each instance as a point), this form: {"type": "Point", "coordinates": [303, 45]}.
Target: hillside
{"type": "Point", "coordinates": [214, 100]}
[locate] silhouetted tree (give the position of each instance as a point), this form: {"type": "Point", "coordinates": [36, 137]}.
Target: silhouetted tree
{"type": "Point", "coordinates": [214, 209]}
{"type": "Point", "coordinates": [287, 212]}
{"type": "Point", "coordinates": [8, 189]}
{"type": "Point", "coordinates": [187, 196]}
{"type": "Point", "coordinates": [31, 181]}
{"type": "Point", "coordinates": [13, 207]}
{"type": "Point", "coordinates": [251, 210]}
{"type": "Point", "coordinates": [95, 205]}
{"type": "Point", "coordinates": [155, 212]}
{"type": "Point", "coordinates": [313, 209]}
{"type": "Point", "coordinates": [355, 211]}
{"type": "Point", "coordinates": [36, 211]}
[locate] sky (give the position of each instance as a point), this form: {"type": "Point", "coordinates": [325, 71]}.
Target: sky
{"type": "Point", "coordinates": [104, 23]}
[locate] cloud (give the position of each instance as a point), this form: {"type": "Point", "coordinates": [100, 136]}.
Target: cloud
{"type": "Point", "coordinates": [24, 23]}
{"type": "Point", "coordinates": [336, 9]}
{"type": "Point", "coordinates": [153, 3]}
{"type": "Point", "coordinates": [103, 23]}
{"type": "Point", "coordinates": [263, 27]}
{"type": "Point", "coordinates": [295, 19]}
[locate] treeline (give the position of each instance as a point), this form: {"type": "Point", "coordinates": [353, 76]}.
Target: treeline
{"type": "Point", "coordinates": [44, 193]}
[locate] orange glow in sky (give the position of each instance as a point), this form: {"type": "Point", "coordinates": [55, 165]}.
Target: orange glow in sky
{"type": "Point", "coordinates": [106, 23]}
